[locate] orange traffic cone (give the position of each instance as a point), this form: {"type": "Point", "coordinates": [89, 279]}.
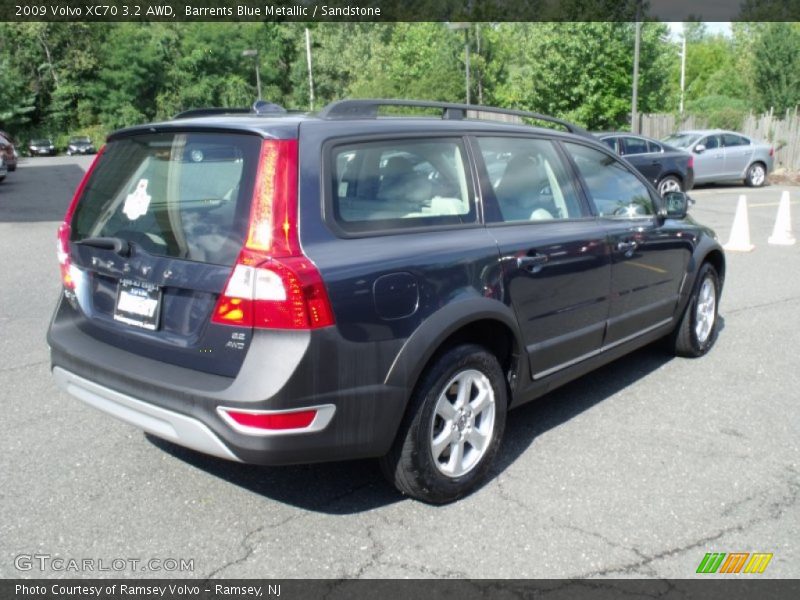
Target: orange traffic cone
{"type": "Point", "coordinates": [782, 232]}
{"type": "Point", "coordinates": [740, 234]}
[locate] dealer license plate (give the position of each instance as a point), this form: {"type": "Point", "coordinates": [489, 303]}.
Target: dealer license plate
{"type": "Point", "coordinates": [138, 304]}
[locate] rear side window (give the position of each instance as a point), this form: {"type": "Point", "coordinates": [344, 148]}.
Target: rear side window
{"type": "Point", "coordinates": [615, 191]}
{"type": "Point", "coordinates": [396, 184]}
{"type": "Point", "coordinates": [611, 142]}
{"type": "Point", "coordinates": [653, 147]}
{"type": "Point", "coordinates": [729, 140]}
{"type": "Point", "coordinates": [529, 180]}
{"type": "Point", "coordinates": [635, 146]}
{"type": "Point", "coordinates": [182, 195]}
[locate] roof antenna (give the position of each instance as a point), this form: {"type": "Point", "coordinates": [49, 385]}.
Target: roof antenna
{"type": "Point", "coordinates": [262, 107]}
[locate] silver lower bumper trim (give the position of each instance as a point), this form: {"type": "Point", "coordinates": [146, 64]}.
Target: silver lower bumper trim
{"type": "Point", "coordinates": [163, 423]}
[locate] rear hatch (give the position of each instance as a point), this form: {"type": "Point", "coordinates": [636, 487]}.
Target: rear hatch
{"type": "Point", "coordinates": [156, 231]}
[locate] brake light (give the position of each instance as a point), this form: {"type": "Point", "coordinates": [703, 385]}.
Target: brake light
{"type": "Point", "coordinates": [771, 151]}
{"type": "Point", "coordinates": [273, 285]}
{"type": "Point", "coordinates": [65, 229]}
{"type": "Point", "coordinates": [691, 162]}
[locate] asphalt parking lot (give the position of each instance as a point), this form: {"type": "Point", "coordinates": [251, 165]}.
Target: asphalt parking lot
{"type": "Point", "coordinates": [636, 470]}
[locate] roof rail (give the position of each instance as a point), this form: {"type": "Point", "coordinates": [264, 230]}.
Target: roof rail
{"type": "Point", "coordinates": [368, 109]}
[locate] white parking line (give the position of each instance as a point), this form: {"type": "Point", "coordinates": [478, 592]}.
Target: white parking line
{"type": "Point", "coordinates": [761, 204]}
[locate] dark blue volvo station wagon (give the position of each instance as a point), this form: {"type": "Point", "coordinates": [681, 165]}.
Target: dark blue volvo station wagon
{"type": "Point", "coordinates": [274, 287]}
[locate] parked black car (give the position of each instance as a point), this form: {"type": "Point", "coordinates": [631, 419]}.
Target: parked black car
{"type": "Point", "coordinates": [284, 288]}
{"type": "Point", "coordinates": [80, 145]}
{"type": "Point", "coordinates": [666, 167]}
{"type": "Point", "coordinates": [42, 147]}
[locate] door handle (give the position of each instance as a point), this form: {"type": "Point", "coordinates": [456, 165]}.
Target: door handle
{"type": "Point", "coordinates": [532, 263]}
{"type": "Point", "coordinates": [627, 247]}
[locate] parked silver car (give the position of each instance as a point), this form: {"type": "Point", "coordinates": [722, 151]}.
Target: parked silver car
{"type": "Point", "coordinates": [725, 156]}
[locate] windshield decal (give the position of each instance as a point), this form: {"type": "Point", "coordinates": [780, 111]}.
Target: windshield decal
{"type": "Point", "coordinates": [137, 203]}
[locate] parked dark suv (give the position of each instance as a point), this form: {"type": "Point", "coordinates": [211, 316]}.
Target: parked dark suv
{"type": "Point", "coordinates": [282, 288]}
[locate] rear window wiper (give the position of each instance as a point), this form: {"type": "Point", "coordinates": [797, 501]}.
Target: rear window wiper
{"type": "Point", "coordinates": [118, 245]}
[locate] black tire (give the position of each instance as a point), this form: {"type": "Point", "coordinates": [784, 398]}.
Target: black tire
{"type": "Point", "coordinates": [12, 168]}
{"type": "Point", "coordinates": [756, 175]}
{"type": "Point", "coordinates": [411, 465]}
{"type": "Point", "coordinates": [688, 339]}
{"type": "Point", "coordinates": [668, 182]}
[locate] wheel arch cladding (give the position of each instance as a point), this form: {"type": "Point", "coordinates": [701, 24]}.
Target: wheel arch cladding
{"type": "Point", "coordinates": [481, 321]}
{"type": "Point", "coordinates": [717, 260]}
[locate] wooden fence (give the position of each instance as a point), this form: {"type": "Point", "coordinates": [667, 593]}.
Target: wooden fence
{"type": "Point", "coordinates": [782, 133]}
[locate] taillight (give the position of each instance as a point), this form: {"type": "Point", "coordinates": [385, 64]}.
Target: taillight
{"type": "Point", "coordinates": [65, 229]}
{"type": "Point", "coordinates": [691, 162]}
{"type": "Point", "coordinates": [62, 253]}
{"type": "Point", "coordinates": [273, 285]}
{"type": "Point", "coordinates": [771, 151]}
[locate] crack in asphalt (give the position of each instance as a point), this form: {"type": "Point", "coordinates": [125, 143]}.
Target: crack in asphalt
{"type": "Point", "coordinates": [500, 481]}
{"type": "Point", "coordinates": [377, 551]}
{"type": "Point", "coordinates": [774, 511]}
{"type": "Point", "coordinates": [764, 305]}
{"type": "Point", "coordinates": [250, 549]}
{"type": "Point", "coordinates": [25, 366]}
{"type": "Point", "coordinates": [378, 558]}
{"type": "Point", "coordinates": [602, 538]}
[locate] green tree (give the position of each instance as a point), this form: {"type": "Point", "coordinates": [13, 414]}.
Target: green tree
{"type": "Point", "coordinates": [339, 53]}
{"type": "Point", "coordinates": [776, 66]}
{"type": "Point", "coordinates": [418, 60]}
{"type": "Point", "coordinates": [584, 71]}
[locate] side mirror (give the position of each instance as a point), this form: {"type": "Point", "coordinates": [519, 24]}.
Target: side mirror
{"type": "Point", "coordinates": [675, 205]}
{"type": "Point", "coordinates": [700, 148]}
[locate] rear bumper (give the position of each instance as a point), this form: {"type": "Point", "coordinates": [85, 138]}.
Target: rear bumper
{"type": "Point", "coordinates": [688, 180]}
{"type": "Point", "coordinates": [282, 371]}
{"type": "Point", "coordinates": [163, 423]}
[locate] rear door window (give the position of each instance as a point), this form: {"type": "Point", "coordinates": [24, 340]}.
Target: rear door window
{"type": "Point", "coordinates": [529, 180]}
{"type": "Point", "coordinates": [396, 184]}
{"type": "Point", "coordinates": [181, 195]}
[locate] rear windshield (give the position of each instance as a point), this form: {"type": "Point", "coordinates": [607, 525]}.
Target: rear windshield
{"type": "Point", "coordinates": [182, 195]}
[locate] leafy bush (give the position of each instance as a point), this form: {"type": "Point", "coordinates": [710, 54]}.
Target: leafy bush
{"type": "Point", "coordinates": [721, 112]}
